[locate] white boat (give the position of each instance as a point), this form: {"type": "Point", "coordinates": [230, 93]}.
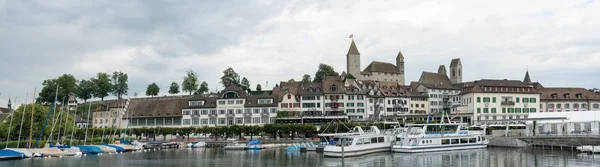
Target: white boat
{"type": "Point", "coordinates": [199, 145]}
{"type": "Point", "coordinates": [236, 146]}
{"type": "Point", "coordinates": [438, 137]}
{"type": "Point", "coordinates": [361, 144]}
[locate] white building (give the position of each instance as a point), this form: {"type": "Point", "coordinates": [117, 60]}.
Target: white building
{"type": "Point", "coordinates": [111, 115]}
{"type": "Point", "coordinates": [568, 100]}
{"type": "Point", "coordinates": [376, 71]}
{"type": "Point", "coordinates": [499, 100]}
{"type": "Point", "coordinates": [577, 123]}
{"type": "Point", "coordinates": [232, 106]}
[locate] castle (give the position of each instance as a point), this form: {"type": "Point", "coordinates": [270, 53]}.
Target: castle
{"type": "Point", "coordinates": [376, 71]}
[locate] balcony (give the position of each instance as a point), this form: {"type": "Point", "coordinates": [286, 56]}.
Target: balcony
{"type": "Point", "coordinates": [507, 103]}
{"type": "Point", "coordinates": [212, 114]}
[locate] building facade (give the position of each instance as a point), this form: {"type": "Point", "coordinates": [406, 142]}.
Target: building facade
{"type": "Point", "coordinates": [111, 115]}
{"type": "Point", "coordinates": [568, 100]}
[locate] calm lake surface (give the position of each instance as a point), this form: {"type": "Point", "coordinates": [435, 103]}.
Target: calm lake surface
{"type": "Point", "coordinates": [491, 157]}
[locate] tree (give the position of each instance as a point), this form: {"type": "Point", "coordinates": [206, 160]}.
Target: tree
{"type": "Point", "coordinates": [85, 90]}
{"type": "Point", "coordinates": [230, 77]}
{"type": "Point", "coordinates": [174, 89]}
{"type": "Point", "coordinates": [258, 87]}
{"type": "Point", "coordinates": [306, 78]}
{"type": "Point", "coordinates": [190, 82]}
{"type": "Point", "coordinates": [152, 90]}
{"type": "Point", "coordinates": [119, 81]}
{"type": "Point", "coordinates": [102, 85]}
{"type": "Point", "coordinates": [292, 80]}
{"type": "Point", "coordinates": [324, 70]}
{"type": "Point", "coordinates": [67, 86]}
{"type": "Point", "coordinates": [245, 84]}
{"type": "Point", "coordinates": [203, 88]}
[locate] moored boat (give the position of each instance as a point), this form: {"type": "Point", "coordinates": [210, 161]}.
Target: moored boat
{"type": "Point", "coordinates": [236, 146]}
{"type": "Point", "coordinates": [47, 152]}
{"type": "Point", "coordinates": [357, 145]}
{"type": "Point", "coordinates": [438, 137]}
{"type": "Point", "coordinates": [89, 149]}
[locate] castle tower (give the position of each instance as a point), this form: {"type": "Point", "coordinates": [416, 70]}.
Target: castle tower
{"type": "Point", "coordinates": [442, 70]}
{"type": "Point", "coordinates": [353, 61]}
{"type": "Point", "coordinates": [456, 71]}
{"type": "Point", "coordinates": [400, 66]}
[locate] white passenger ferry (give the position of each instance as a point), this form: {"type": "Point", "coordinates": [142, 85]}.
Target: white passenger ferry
{"type": "Point", "coordinates": [438, 137]}
{"type": "Point", "coordinates": [360, 144]}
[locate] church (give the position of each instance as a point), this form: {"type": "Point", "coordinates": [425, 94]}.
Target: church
{"type": "Point", "coordinates": [376, 71]}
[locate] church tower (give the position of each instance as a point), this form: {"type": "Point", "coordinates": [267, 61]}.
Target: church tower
{"type": "Point", "coordinates": [442, 70]}
{"type": "Point", "coordinates": [400, 66]}
{"type": "Point", "coordinates": [456, 71]}
{"type": "Point", "coordinates": [353, 61]}
{"type": "Point", "coordinates": [9, 104]}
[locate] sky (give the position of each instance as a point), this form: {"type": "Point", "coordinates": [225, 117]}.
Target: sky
{"type": "Point", "coordinates": [270, 41]}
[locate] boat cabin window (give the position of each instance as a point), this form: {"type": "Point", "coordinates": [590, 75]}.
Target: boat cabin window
{"type": "Point", "coordinates": [345, 141]}
{"type": "Point", "coordinates": [359, 141]}
{"type": "Point", "coordinates": [381, 139]}
{"type": "Point", "coordinates": [445, 141]}
{"type": "Point", "coordinates": [464, 140]}
{"type": "Point", "coordinates": [472, 140]}
{"type": "Point", "coordinates": [374, 140]}
{"type": "Point", "coordinates": [453, 141]}
{"type": "Point", "coordinates": [398, 139]}
{"type": "Point", "coordinates": [366, 141]}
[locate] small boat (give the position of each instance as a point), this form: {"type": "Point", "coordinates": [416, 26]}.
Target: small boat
{"type": "Point", "coordinates": [89, 149]}
{"type": "Point", "coordinates": [119, 149]}
{"type": "Point", "coordinates": [106, 149]}
{"type": "Point", "coordinates": [255, 145]}
{"type": "Point", "coordinates": [47, 152]}
{"type": "Point", "coordinates": [197, 145]}
{"type": "Point", "coordinates": [362, 144]}
{"type": "Point", "coordinates": [152, 145]}
{"type": "Point", "coordinates": [26, 152]}
{"type": "Point", "coordinates": [8, 154]}
{"type": "Point", "coordinates": [127, 147]}
{"type": "Point", "coordinates": [236, 146]}
{"type": "Point", "coordinates": [438, 137]}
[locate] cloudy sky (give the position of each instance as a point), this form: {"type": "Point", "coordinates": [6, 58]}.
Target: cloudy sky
{"type": "Point", "coordinates": [265, 40]}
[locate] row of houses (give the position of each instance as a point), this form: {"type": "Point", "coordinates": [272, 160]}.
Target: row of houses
{"type": "Point", "coordinates": [376, 93]}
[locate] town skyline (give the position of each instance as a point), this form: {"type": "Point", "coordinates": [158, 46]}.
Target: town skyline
{"type": "Point", "coordinates": [284, 40]}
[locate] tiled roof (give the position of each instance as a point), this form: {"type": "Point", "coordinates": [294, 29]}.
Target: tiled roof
{"type": "Point", "coordinates": [252, 101]}
{"type": "Point", "coordinates": [384, 67]}
{"type": "Point", "coordinates": [435, 80]}
{"type": "Point", "coordinates": [311, 89]}
{"type": "Point", "coordinates": [503, 83]}
{"type": "Point", "coordinates": [157, 107]}
{"type": "Point", "coordinates": [571, 92]}
{"type": "Point", "coordinates": [234, 88]}
{"type": "Point", "coordinates": [496, 86]}
{"type": "Point", "coordinates": [454, 62]}
{"type": "Point", "coordinates": [353, 49]}
{"type": "Point", "coordinates": [329, 81]}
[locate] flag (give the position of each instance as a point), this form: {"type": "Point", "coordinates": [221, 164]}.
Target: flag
{"type": "Point", "coordinates": [351, 36]}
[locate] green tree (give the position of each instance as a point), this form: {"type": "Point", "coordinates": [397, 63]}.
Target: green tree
{"type": "Point", "coordinates": [258, 87]}
{"type": "Point", "coordinates": [85, 90]}
{"type": "Point", "coordinates": [66, 84]}
{"type": "Point", "coordinates": [38, 121]}
{"type": "Point", "coordinates": [292, 80]}
{"type": "Point", "coordinates": [174, 88]}
{"type": "Point", "coordinates": [152, 90]}
{"type": "Point", "coordinates": [245, 84]}
{"type": "Point", "coordinates": [230, 77]}
{"type": "Point", "coordinates": [324, 70]}
{"type": "Point", "coordinates": [190, 82]}
{"type": "Point", "coordinates": [306, 78]}
{"type": "Point", "coordinates": [203, 88]}
{"type": "Point", "coordinates": [119, 81]}
{"type": "Point", "coordinates": [102, 85]}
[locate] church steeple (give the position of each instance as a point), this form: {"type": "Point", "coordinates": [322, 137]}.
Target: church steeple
{"type": "Point", "coordinates": [527, 80]}
{"type": "Point", "coordinates": [9, 104]}
{"type": "Point", "coordinates": [353, 49]}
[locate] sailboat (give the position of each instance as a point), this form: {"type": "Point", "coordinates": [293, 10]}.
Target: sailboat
{"type": "Point", "coordinates": [45, 152]}
{"type": "Point", "coordinates": [12, 153]}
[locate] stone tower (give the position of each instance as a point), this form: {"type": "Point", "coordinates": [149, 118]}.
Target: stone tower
{"type": "Point", "coordinates": [400, 66]}
{"type": "Point", "coordinates": [353, 61]}
{"type": "Point", "coordinates": [442, 70]}
{"type": "Point", "coordinates": [456, 71]}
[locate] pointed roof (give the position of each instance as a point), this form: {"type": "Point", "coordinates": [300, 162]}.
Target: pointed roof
{"type": "Point", "coordinates": [400, 55]}
{"type": "Point", "coordinates": [527, 80]}
{"type": "Point", "coordinates": [442, 69]}
{"type": "Point", "coordinates": [454, 62]}
{"type": "Point", "coordinates": [353, 49]}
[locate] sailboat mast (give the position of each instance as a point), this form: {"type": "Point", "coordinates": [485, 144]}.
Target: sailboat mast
{"type": "Point", "coordinates": [74, 124]}
{"type": "Point", "coordinates": [55, 119]}
{"type": "Point", "coordinates": [31, 120]}
{"type": "Point", "coordinates": [10, 126]}
{"type": "Point", "coordinates": [47, 116]}
{"type": "Point", "coordinates": [22, 118]}
{"type": "Point", "coordinates": [87, 123]}
{"type": "Point", "coordinates": [66, 119]}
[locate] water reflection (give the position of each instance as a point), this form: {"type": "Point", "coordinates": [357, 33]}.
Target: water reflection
{"type": "Point", "coordinates": [491, 157]}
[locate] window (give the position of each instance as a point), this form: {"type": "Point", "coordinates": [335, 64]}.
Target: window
{"type": "Point", "coordinates": [238, 121]}
{"type": "Point", "coordinates": [360, 104]}
{"type": "Point", "coordinates": [350, 105]}
{"type": "Point", "coordinates": [213, 121]}
{"type": "Point", "coordinates": [333, 88]}
{"type": "Point", "coordinates": [503, 110]}
{"type": "Point", "coordinates": [265, 101]}
{"type": "Point", "coordinates": [493, 99]}
{"type": "Point", "coordinates": [373, 140]}
{"type": "Point", "coordinates": [485, 110]}
{"type": "Point", "coordinates": [289, 96]}
{"type": "Point", "coordinates": [256, 120]}
{"type": "Point", "coordinates": [230, 101]}
{"type": "Point", "coordinates": [360, 110]}
{"type": "Point", "coordinates": [195, 121]}
{"type": "Point", "coordinates": [453, 141]}
{"type": "Point", "coordinates": [186, 121]}
{"type": "Point", "coordinates": [525, 100]}
{"type": "Point", "coordinates": [204, 121]}
{"type": "Point", "coordinates": [256, 111]}
{"type": "Point", "coordinates": [221, 102]}
{"type": "Point", "coordinates": [239, 111]}
{"type": "Point", "coordinates": [464, 140]}
{"type": "Point", "coordinates": [445, 141]}
{"type": "Point", "coordinates": [486, 99]}
{"type": "Point", "coordinates": [239, 102]}
{"type": "Point", "coordinates": [517, 99]}
{"type": "Point", "coordinates": [517, 110]}
{"type": "Point", "coordinates": [186, 113]}
{"type": "Point", "coordinates": [532, 110]}
{"type": "Point", "coordinates": [525, 110]}
{"type": "Point", "coordinates": [221, 112]}
{"type": "Point", "coordinates": [478, 110]}
{"type": "Point", "coordinates": [196, 112]}
{"type": "Point", "coordinates": [493, 110]}
{"type": "Point", "coordinates": [478, 99]}
{"type": "Point", "coordinates": [221, 121]}
{"type": "Point", "coordinates": [204, 112]}
{"type": "Point", "coordinates": [532, 100]}
{"type": "Point", "coordinates": [359, 97]}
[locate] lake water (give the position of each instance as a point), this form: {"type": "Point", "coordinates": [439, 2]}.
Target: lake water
{"type": "Point", "coordinates": [491, 157]}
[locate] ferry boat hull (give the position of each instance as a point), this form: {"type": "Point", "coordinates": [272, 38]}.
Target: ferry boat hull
{"type": "Point", "coordinates": [337, 151]}
{"type": "Point", "coordinates": [419, 149]}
